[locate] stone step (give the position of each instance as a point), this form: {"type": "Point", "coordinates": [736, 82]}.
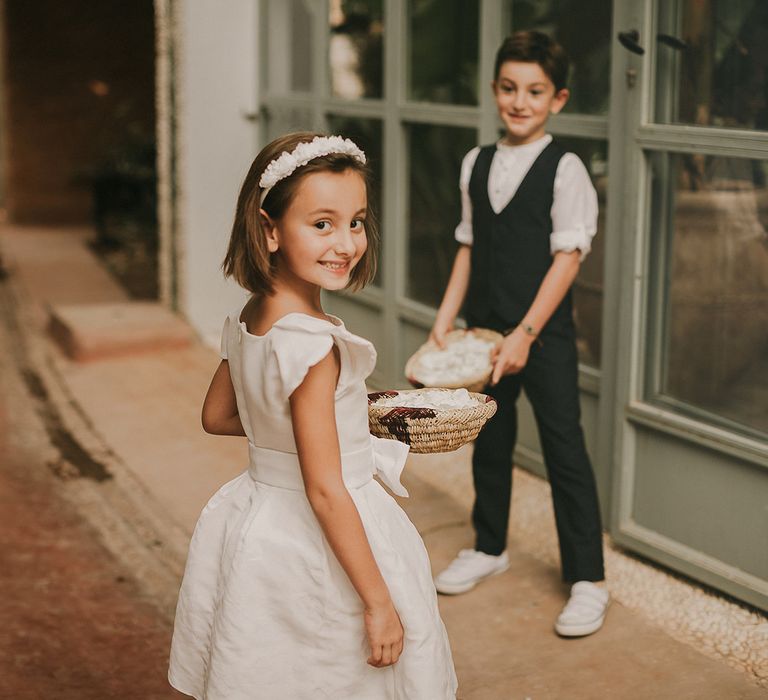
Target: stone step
{"type": "Point", "coordinates": [88, 332]}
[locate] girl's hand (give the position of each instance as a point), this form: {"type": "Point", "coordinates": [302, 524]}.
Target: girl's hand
{"type": "Point", "coordinates": [437, 334]}
{"type": "Point", "coordinates": [512, 355]}
{"type": "Point", "coordinates": [385, 635]}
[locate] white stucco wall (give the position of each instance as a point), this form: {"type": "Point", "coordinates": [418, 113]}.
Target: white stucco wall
{"type": "Point", "coordinates": [217, 87]}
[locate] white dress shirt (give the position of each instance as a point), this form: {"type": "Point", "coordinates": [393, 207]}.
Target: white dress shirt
{"type": "Point", "coordinates": [574, 204]}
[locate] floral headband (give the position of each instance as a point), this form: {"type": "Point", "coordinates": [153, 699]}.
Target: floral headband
{"type": "Point", "coordinates": [287, 162]}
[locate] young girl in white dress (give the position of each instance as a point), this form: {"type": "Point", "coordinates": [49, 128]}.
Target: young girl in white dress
{"type": "Point", "coordinates": [305, 579]}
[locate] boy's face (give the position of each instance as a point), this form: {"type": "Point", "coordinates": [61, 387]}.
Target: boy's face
{"type": "Point", "coordinates": [525, 97]}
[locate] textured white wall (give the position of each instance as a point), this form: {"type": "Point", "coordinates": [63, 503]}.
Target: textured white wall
{"type": "Point", "coordinates": [217, 87]}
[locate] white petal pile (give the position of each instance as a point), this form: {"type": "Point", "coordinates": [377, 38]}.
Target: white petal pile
{"type": "Point", "coordinates": [463, 358]}
{"type": "Point", "coordinates": [438, 399]}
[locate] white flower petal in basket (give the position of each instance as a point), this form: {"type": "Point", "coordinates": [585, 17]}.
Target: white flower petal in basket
{"type": "Point", "coordinates": [465, 361]}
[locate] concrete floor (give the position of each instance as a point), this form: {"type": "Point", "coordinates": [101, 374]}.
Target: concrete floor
{"type": "Point", "coordinates": [76, 621]}
{"type": "Point", "coordinates": [100, 523]}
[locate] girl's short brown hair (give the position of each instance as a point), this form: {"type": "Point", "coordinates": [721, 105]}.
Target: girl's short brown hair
{"type": "Point", "coordinates": [248, 259]}
{"type": "Point", "coordinates": [535, 47]}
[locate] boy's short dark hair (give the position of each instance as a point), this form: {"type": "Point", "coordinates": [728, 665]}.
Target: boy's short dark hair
{"type": "Point", "coordinates": [535, 47]}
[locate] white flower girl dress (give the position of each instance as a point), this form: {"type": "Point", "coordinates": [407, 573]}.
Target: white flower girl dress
{"type": "Point", "coordinates": [265, 610]}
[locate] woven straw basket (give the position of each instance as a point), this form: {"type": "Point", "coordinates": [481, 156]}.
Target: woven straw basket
{"type": "Point", "coordinates": [471, 383]}
{"type": "Point", "coordinates": [429, 430]}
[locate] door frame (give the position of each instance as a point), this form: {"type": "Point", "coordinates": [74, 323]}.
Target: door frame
{"type": "Point", "coordinates": [629, 280]}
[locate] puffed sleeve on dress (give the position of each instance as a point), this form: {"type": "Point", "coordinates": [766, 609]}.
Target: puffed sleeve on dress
{"type": "Point", "coordinates": [300, 342]}
{"type": "Point", "coordinates": [295, 350]}
{"type": "Point", "coordinates": [224, 337]}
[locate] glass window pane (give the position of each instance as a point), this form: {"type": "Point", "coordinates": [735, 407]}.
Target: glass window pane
{"type": "Point", "coordinates": [368, 134]}
{"type": "Point", "coordinates": [289, 46]}
{"type": "Point", "coordinates": [435, 154]}
{"type": "Point", "coordinates": [282, 119]}
{"type": "Point", "coordinates": [714, 345]}
{"type": "Point", "coordinates": [570, 22]}
{"type": "Point", "coordinates": [356, 48]}
{"type": "Point", "coordinates": [717, 75]}
{"type": "Point", "coordinates": [588, 288]}
{"type": "Point", "coordinates": [443, 50]}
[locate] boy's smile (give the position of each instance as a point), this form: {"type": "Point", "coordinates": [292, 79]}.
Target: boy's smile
{"type": "Point", "coordinates": [525, 97]}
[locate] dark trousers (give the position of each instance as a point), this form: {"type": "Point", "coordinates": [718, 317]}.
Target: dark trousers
{"type": "Point", "coordinates": [550, 380]}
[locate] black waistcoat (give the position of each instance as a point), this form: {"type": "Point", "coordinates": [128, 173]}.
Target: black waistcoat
{"type": "Point", "coordinates": [510, 250]}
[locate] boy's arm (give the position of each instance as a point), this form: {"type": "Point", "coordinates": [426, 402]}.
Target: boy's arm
{"type": "Point", "coordinates": [458, 282]}
{"type": "Point", "coordinates": [454, 295]}
{"type": "Point", "coordinates": [513, 352]}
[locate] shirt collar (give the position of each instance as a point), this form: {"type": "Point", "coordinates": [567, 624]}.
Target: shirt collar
{"type": "Point", "coordinates": [537, 145]}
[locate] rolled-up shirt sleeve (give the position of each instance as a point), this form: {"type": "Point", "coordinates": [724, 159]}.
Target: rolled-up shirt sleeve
{"type": "Point", "coordinates": [574, 209]}
{"type": "Point", "coordinates": [463, 233]}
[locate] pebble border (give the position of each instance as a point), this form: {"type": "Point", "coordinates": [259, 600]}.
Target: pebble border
{"type": "Point", "coordinates": [715, 626]}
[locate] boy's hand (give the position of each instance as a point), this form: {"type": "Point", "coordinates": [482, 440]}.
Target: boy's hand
{"type": "Point", "coordinates": [512, 355]}
{"type": "Point", "coordinates": [385, 635]}
{"type": "Point", "coordinates": [438, 332]}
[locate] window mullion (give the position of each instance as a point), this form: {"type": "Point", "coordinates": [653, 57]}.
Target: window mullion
{"type": "Point", "coordinates": [491, 36]}
{"type": "Point", "coordinates": [706, 140]}
{"type": "Point", "coordinates": [320, 82]}
{"type": "Point", "coordinates": [394, 246]}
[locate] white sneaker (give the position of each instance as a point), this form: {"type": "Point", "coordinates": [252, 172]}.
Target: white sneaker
{"type": "Point", "coordinates": [584, 612]}
{"type": "Point", "coordinates": [468, 569]}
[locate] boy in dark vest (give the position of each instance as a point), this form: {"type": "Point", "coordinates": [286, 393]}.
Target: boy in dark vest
{"type": "Point", "coordinates": [529, 212]}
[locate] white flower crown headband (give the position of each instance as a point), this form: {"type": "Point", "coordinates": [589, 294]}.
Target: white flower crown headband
{"type": "Point", "coordinates": [287, 162]}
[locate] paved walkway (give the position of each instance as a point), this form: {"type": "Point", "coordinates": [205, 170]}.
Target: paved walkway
{"type": "Point", "coordinates": [132, 468]}
{"type": "Point", "coordinates": [75, 622]}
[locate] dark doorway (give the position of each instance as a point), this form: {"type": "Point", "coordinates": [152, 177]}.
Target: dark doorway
{"type": "Point", "coordinates": [79, 127]}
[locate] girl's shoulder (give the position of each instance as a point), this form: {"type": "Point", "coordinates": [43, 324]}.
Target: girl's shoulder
{"type": "Point", "coordinates": [298, 341]}
{"type": "Point", "coordinates": [296, 322]}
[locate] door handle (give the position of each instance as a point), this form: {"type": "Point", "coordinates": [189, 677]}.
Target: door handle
{"type": "Point", "coordinates": [672, 41]}
{"type": "Point", "coordinates": [629, 40]}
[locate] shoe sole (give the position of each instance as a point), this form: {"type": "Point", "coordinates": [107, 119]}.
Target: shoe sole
{"type": "Point", "coordinates": [448, 589]}
{"type": "Point", "coordinates": [579, 630]}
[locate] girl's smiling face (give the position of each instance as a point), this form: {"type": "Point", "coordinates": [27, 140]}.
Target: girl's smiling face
{"type": "Point", "coordinates": [321, 236]}
{"type": "Point", "coordinates": [525, 97]}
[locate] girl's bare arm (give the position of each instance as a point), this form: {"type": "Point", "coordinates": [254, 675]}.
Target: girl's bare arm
{"type": "Point", "coordinates": [513, 352]}
{"type": "Point", "coordinates": [314, 426]}
{"type": "Point", "coordinates": [220, 416]}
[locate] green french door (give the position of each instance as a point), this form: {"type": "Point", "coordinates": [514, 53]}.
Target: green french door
{"type": "Point", "coordinates": [689, 266]}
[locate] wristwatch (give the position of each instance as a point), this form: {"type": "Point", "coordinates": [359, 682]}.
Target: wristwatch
{"type": "Point", "coordinates": [527, 327]}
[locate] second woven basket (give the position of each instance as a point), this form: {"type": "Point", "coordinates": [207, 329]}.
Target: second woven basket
{"type": "Point", "coordinates": [471, 383]}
